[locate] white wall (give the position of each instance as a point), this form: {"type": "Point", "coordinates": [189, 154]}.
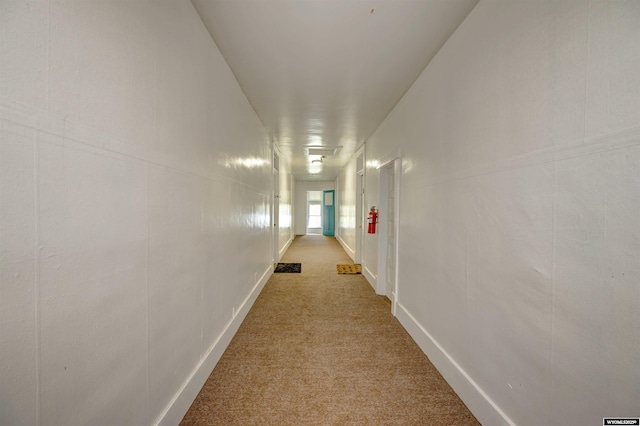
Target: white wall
{"type": "Point", "coordinates": [300, 203]}
{"type": "Point", "coordinates": [520, 210]}
{"type": "Point", "coordinates": [134, 210]}
{"type": "Point", "coordinates": [285, 220]}
{"type": "Point", "coordinates": [346, 185]}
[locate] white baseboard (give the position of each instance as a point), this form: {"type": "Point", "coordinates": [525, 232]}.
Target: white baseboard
{"type": "Point", "coordinates": [284, 249]}
{"type": "Point", "coordinates": [485, 410]}
{"type": "Point", "coordinates": [370, 277]}
{"type": "Point", "coordinates": [183, 399]}
{"type": "Point", "coordinates": [349, 250]}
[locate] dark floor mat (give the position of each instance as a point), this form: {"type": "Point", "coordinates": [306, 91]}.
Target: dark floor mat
{"type": "Point", "coordinates": [294, 268]}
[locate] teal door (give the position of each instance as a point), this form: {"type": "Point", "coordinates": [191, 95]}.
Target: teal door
{"type": "Point", "coordinates": [328, 213]}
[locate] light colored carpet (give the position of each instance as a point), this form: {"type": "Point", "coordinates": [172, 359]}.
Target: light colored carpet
{"type": "Point", "coordinates": [319, 348]}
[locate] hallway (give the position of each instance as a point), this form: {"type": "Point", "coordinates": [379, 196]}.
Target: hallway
{"type": "Point", "coordinates": [156, 159]}
{"type": "Point", "coordinates": [322, 348]}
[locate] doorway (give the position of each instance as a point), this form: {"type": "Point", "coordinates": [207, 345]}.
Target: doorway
{"type": "Point", "coordinates": [329, 213]}
{"type": "Point", "coordinates": [276, 208]}
{"type": "Point", "coordinates": [314, 212]}
{"type": "Point", "coordinates": [388, 232]}
{"type": "Point", "coordinates": [361, 209]}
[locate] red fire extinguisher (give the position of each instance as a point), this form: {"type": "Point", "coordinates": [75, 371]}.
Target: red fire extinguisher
{"type": "Point", "coordinates": [373, 220]}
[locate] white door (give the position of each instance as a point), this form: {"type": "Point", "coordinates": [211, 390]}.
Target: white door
{"type": "Point", "coordinates": [387, 232]}
{"type": "Point", "coordinates": [390, 229]}
{"type": "Point", "coordinates": [276, 210]}
{"type": "Point", "coordinates": [360, 219]}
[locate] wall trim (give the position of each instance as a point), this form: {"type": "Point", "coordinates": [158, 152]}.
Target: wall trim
{"type": "Point", "coordinates": [285, 248]}
{"type": "Point", "coordinates": [349, 250]}
{"type": "Point", "coordinates": [370, 277]}
{"type": "Point", "coordinates": [390, 157]}
{"type": "Point", "coordinates": [479, 403]}
{"type": "Point", "coordinates": [179, 405]}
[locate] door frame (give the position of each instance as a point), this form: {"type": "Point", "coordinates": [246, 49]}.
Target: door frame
{"type": "Point", "coordinates": [329, 214]}
{"type": "Point", "coordinates": [275, 207]}
{"type": "Point", "coordinates": [361, 209]}
{"type": "Point", "coordinates": [391, 165]}
{"type": "Point", "coordinates": [307, 205]}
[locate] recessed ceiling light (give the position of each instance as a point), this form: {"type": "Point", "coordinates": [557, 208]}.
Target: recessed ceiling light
{"type": "Point", "coordinates": [322, 150]}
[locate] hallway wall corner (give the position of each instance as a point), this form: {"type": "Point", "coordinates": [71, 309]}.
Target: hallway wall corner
{"type": "Point", "coordinates": [183, 399]}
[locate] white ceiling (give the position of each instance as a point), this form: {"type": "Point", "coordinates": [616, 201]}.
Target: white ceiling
{"type": "Point", "coordinates": [327, 72]}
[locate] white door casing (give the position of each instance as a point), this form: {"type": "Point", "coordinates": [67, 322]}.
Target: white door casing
{"type": "Point", "coordinates": [388, 227]}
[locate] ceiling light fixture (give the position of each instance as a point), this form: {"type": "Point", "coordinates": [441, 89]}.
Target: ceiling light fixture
{"type": "Point", "coordinates": [321, 150]}
{"type": "Point", "coordinates": [318, 160]}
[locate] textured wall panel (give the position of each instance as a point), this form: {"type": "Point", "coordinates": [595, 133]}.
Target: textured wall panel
{"type": "Point", "coordinates": [519, 213]}
{"type": "Point", "coordinates": [135, 199]}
